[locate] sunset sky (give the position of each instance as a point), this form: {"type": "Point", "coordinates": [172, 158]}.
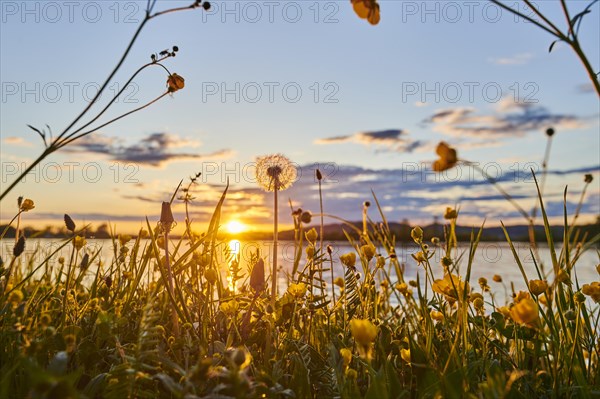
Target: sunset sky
{"type": "Point", "coordinates": [366, 104]}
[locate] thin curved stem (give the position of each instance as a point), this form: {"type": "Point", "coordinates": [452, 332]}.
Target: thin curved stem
{"type": "Point", "coordinates": [65, 142]}
{"type": "Point", "coordinates": [114, 98]}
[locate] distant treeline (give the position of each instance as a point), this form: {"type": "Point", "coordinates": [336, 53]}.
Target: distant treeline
{"type": "Point", "coordinates": [335, 232]}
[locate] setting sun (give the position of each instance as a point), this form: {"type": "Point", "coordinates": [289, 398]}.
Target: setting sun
{"type": "Point", "coordinates": [235, 227]}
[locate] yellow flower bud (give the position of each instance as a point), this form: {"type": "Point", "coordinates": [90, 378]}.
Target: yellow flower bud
{"type": "Point", "coordinates": [211, 276]}
{"type": "Point", "coordinates": [348, 259]}
{"type": "Point", "coordinates": [417, 234]}
{"type": "Point", "coordinates": [368, 251]}
{"type": "Point", "coordinates": [312, 235]}
{"type": "Point", "coordinates": [27, 205]}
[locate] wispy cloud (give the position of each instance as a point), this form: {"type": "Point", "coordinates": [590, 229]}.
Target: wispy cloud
{"type": "Point", "coordinates": [517, 59]}
{"type": "Point", "coordinates": [397, 140]}
{"type": "Point", "coordinates": [156, 149]}
{"type": "Point", "coordinates": [16, 141]}
{"type": "Point", "coordinates": [510, 119]}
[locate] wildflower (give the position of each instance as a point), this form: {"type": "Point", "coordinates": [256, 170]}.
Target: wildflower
{"type": "Point", "coordinates": [15, 297]}
{"type": "Point", "coordinates": [417, 234]}
{"type": "Point", "coordinates": [403, 289]}
{"type": "Point", "coordinates": [525, 312]}
{"type": "Point", "coordinates": [229, 307]}
{"type": "Point", "coordinates": [364, 333]}
{"type": "Point", "coordinates": [312, 235]}
{"type": "Point", "coordinates": [483, 283]}
{"type": "Point", "coordinates": [412, 283]}
{"type": "Point", "coordinates": [435, 240]}
{"type": "Point", "coordinates": [405, 355]}
{"type": "Point", "coordinates": [380, 262]}
{"type": "Point", "coordinates": [306, 217]}
{"type": "Point", "coordinates": [339, 282]}
{"type": "Point", "coordinates": [537, 286]}
{"type": "Point", "coordinates": [124, 239]}
{"type": "Point", "coordinates": [27, 205]}
{"type": "Point", "coordinates": [241, 357]}
{"type": "Point", "coordinates": [563, 277]}
{"type": "Point", "coordinates": [45, 319]}
{"type": "Point", "coordinates": [368, 251]}
{"type": "Point", "coordinates": [69, 223]}
{"type": "Point", "coordinates": [579, 297]}
{"type": "Point", "coordinates": [351, 374]}
{"type": "Point", "coordinates": [505, 311]}
{"type": "Point", "coordinates": [143, 233]}
{"type": "Point", "coordinates": [346, 355]}
{"type": "Point", "coordinates": [588, 178]}
{"type": "Point", "coordinates": [310, 251]}
{"type": "Point", "coordinates": [79, 242]}
{"type": "Point", "coordinates": [497, 278]}
{"type": "Point", "coordinates": [275, 172]}
{"type": "Point", "coordinates": [448, 157]}
{"type": "Point", "coordinates": [436, 315]}
{"type": "Point", "coordinates": [474, 296]}
{"type": "Point", "coordinates": [348, 259]}
{"type": "Point", "coordinates": [592, 290]}
{"type": "Point", "coordinates": [166, 217]}
{"type": "Point", "coordinates": [160, 242]}
{"type": "Point", "coordinates": [446, 262]}
{"type": "Point", "coordinates": [211, 276]}
{"type": "Point", "coordinates": [257, 277]}
{"type": "Point", "coordinates": [297, 290]}
{"type": "Point", "coordinates": [478, 303]}
{"type": "Point", "coordinates": [570, 315]}
{"type": "Point", "coordinates": [61, 260]}
{"type": "Point", "coordinates": [420, 257]}
{"type": "Point", "coordinates": [19, 246]}
{"type": "Point", "coordinates": [451, 286]}
{"type": "Point", "coordinates": [450, 214]}
{"type": "Point", "coordinates": [175, 83]}
{"type": "Point", "coordinates": [367, 9]}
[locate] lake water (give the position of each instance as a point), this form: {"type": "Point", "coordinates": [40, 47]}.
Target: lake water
{"type": "Point", "coordinates": [491, 258]}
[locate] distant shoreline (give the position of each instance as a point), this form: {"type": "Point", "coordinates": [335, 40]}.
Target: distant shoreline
{"type": "Point", "coordinates": [335, 233]}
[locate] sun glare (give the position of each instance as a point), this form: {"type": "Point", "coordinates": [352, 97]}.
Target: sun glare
{"type": "Point", "coordinates": [235, 227]}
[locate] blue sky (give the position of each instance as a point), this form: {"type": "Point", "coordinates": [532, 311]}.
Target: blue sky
{"type": "Point", "coordinates": [374, 102]}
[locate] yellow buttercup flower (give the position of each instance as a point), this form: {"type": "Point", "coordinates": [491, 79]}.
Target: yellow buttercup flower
{"type": "Point", "coordinates": [363, 331]}
{"type": "Point", "coordinates": [450, 214]}
{"type": "Point", "coordinates": [451, 286]}
{"type": "Point", "coordinates": [229, 307]}
{"type": "Point", "coordinates": [348, 259]}
{"type": "Point", "coordinates": [297, 290]}
{"type": "Point", "coordinates": [537, 286]}
{"type": "Point", "coordinates": [405, 355]}
{"type": "Point", "coordinates": [124, 239]}
{"type": "Point", "coordinates": [525, 312]}
{"type": "Point", "coordinates": [346, 355]}
{"type": "Point", "coordinates": [448, 157]}
{"type": "Point", "coordinates": [436, 315]}
{"type": "Point", "coordinates": [175, 83]}
{"type": "Point", "coordinates": [368, 251]}
{"type": "Point", "coordinates": [79, 242]}
{"type": "Point", "coordinates": [367, 9]}
{"type": "Point", "coordinates": [592, 290]}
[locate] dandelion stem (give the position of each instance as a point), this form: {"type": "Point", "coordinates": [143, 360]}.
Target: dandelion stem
{"type": "Point", "coordinates": [275, 242]}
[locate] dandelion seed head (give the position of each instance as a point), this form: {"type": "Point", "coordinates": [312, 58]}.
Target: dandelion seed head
{"type": "Point", "coordinates": [275, 172]}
